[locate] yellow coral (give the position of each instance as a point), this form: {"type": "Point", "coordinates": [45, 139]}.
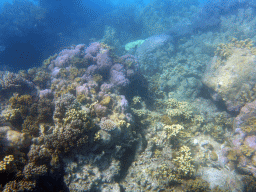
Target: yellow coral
{"type": "Point", "coordinates": [172, 130]}
{"type": "Point", "coordinates": [74, 114]}
{"type": "Point", "coordinates": [183, 160]}
{"type": "Point", "coordinates": [97, 78]}
{"type": "Point", "coordinates": [232, 156]}
{"type": "Point", "coordinates": [226, 50]}
{"type": "Point", "coordinates": [81, 98]}
{"type": "Point", "coordinates": [247, 151]}
{"type": "Point", "coordinates": [198, 119]}
{"type": "Point", "coordinates": [97, 136]}
{"type": "Point", "coordinates": [250, 125]}
{"type": "Point", "coordinates": [172, 103]}
{"type": "Point", "coordinates": [136, 99]}
{"type": "Point", "coordinates": [73, 73]}
{"type": "Point", "coordinates": [179, 109]}
{"type": "Point", "coordinates": [6, 161]}
{"type": "Point", "coordinates": [2, 166]}
{"type": "Point", "coordinates": [105, 101]}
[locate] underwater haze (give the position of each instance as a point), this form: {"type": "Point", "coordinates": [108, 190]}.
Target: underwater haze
{"type": "Point", "coordinates": [123, 96]}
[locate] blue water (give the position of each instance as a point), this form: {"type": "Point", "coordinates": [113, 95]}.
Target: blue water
{"type": "Point", "coordinates": [54, 24]}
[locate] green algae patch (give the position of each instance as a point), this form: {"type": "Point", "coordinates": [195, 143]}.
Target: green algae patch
{"type": "Point", "coordinates": [133, 44]}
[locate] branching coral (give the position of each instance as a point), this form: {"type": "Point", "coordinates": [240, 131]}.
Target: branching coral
{"type": "Point", "coordinates": [26, 113]}
{"type": "Point", "coordinates": [5, 163]}
{"type": "Point", "coordinates": [73, 114]}
{"type": "Point", "coordinates": [184, 162]}
{"type": "Point", "coordinates": [65, 139]}
{"type": "Point", "coordinates": [32, 171]}
{"type": "Point", "coordinates": [225, 50]}
{"type": "Point", "coordinates": [19, 186]}
{"type": "Point", "coordinates": [71, 130]}
{"type": "Point", "coordinates": [179, 110]}
{"type": "Point", "coordinates": [172, 130]}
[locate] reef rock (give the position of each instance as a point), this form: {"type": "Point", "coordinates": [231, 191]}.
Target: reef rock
{"type": "Point", "coordinates": [12, 139]}
{"type": "Point", "coordinates": [232, 79]}
{"type": "Point", "coordinates": [221, 178]}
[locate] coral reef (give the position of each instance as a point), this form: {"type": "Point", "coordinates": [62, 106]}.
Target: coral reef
{"type": "Point", "coordinates": [183, 160]}
{"type": "Point", "coordinates": [78, 109]}
{"type": "Point", "coordinates": [89, 120]}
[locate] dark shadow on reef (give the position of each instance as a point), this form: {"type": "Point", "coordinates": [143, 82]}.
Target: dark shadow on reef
{"type": "Point", "coordinates": [138, 87]}
{"type": "Point", "coordinates": [219, 103]}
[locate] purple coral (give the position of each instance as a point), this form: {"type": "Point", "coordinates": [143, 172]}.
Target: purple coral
{"type": "Point", "coordinates": [83, 90]}
{"type": "Point", "coordinates": [250, 141]}
{"type": "Point", "coordinates": [92, 50]}
{"type": "Point", "coordinates": [66, 55]}
{"type": "Point", "coordinates": [99, 57]}
{"type": "Point", "coordinates": [117, 76]}
{"type": "Point", "coordinates": [104, 62]}
{"type": "Point", "coordinates": [46, 93]}
{"type": "Point", "coordinates": [100, 110]}
{"type": "Point", "coordinates": [99, 64]}
{"type": "Point", "coordinates": [123, 104]}
{"type": "Point", "coordinates": [106, 87]}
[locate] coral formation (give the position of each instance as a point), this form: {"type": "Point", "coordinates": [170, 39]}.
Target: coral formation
{"type": "Point", "coordinates": [183, 159]}
{"type": "Point", "coordinates": [172, 130]}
